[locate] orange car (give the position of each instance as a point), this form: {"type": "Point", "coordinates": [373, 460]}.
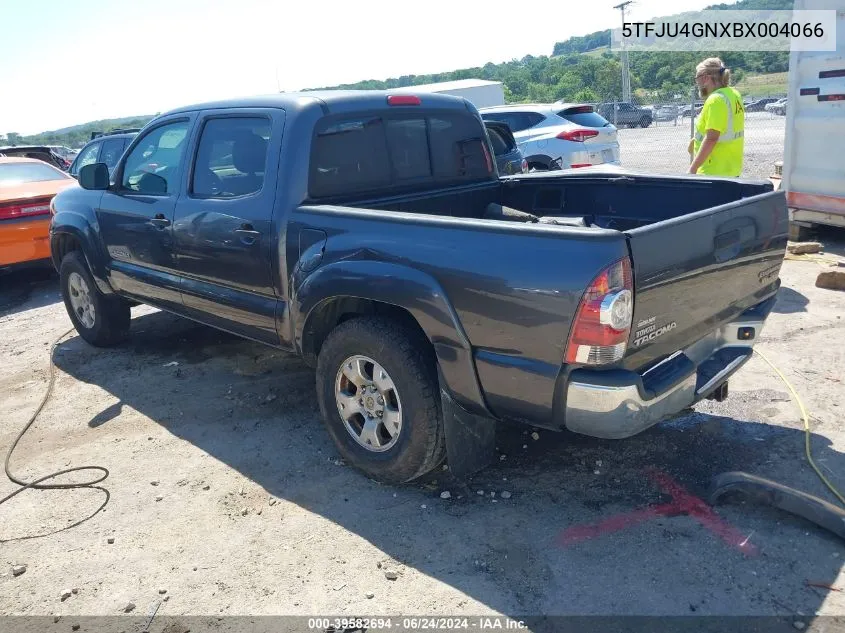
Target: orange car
{"type": "Point", "coordinates": [27, 186]}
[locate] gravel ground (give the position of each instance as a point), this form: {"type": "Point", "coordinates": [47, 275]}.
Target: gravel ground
{"type": "Point", "coordinates": [663, 148]}
{"type": "Point", "coordinates": [225, 491]}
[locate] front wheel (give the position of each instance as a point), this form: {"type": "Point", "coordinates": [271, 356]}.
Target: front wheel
{"type": "Point", "coordinates": [99, 319]}
{"type": "Point", "coordinates": [379, 399]}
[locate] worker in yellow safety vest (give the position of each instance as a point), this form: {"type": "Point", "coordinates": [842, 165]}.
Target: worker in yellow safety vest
{"type": "Point", "coordinates": [718, 145]}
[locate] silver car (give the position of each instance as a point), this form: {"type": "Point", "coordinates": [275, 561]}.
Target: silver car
{"type": "Point", "coordinates": [559, 135]}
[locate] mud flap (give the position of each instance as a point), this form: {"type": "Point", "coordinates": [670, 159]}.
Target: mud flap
{"type": "Point", "coordinates": [470, 438]}
{"type": "Point", "coordinates": [810, 507]}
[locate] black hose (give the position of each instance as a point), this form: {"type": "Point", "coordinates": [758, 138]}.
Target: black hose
{"type": "Point", "coordinates": [37, 484]}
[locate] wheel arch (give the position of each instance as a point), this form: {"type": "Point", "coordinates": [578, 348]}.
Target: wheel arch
{"type": "Point", "coordinates": [72, 232]}
{"type": "Point", "coordinates": [345, 290]}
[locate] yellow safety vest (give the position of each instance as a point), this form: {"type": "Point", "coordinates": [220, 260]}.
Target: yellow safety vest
{"type": "Point", "coordinates": [722, 111]}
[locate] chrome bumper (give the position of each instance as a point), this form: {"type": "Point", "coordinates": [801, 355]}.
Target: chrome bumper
{"type": "Point", "coordinates": [617, 404]}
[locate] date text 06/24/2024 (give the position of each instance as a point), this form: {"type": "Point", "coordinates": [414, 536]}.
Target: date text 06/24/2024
{"type": "Point", "coordinates": [483, 623]}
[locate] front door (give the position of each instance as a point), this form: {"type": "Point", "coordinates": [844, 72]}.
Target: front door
{"type": "Point", "coordinates": [223, 235]}
{"type": "Point", "coordinates": [136, 214]}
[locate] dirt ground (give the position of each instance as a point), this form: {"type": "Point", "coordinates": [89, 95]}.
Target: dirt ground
{"type": "Point", "coordinates": [225, 491]}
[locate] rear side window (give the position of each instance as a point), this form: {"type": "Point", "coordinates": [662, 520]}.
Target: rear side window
{"type": "Point", "coordinates": [231, 157]}
{"type": "Point", "coordinates": [517, 121]}
{"type": "Point", "coordinates": [585, 116]}
{"type": "Point", "coordinates": [391, 151]}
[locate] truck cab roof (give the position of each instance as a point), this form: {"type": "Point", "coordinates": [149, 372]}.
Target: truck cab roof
{"type": "Point", "coordinates": [331, 101]}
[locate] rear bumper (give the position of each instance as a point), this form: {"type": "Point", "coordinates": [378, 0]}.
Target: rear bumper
{"type": "Point", "coordinates": [24, 240]}
{"type": "Point", "coordinates": [619, 403]}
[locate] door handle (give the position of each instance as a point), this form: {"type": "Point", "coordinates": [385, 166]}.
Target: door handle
{"type": "Point", "coordinates": [159, 221]}
{"type": "Point", "coordinates": [248, 234]}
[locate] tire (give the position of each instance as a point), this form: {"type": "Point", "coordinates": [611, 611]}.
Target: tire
{"type": "Point", "coordinates": [406, 357]}
{"type": "Point", "coordinates": [645, 122]}
{"type": "Point", "coordinates": [108, 323]}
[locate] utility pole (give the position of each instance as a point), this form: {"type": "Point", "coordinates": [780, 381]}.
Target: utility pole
{"type": "Point", "coordinates": [626, 70]}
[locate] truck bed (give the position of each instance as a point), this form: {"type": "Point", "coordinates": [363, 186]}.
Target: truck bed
{"type": "Point", "coordinates": [620, 201]}
{"type": "Point", "coordinates": [703, 252]}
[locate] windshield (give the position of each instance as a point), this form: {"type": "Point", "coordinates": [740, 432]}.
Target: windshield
{"type": "Point", "coordinates": [13, 174]}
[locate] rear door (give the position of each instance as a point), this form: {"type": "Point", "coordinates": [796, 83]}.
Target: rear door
{"type": "Point", "coordinates": [222, 231]}
{"type": "Point", "coordinates": [698, 271]}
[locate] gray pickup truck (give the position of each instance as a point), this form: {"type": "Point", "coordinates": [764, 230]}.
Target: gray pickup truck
{"type": "Point", "coordinates": [370, 233]}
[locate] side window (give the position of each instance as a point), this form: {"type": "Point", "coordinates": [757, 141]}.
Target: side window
{"type": "Point", "coordinates": [88, 156]}
{"type": "Point", "coordinates": [153, 165]}
{"type": "Point", "coordinates": [231, 157]}
{"type": "Point", "coordinates": [112, 151]}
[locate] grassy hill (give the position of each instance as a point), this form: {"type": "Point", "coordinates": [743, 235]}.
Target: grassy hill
{"type": "Point", "coordinates": [763, 85]}
{"type": "Point", "coordinates": [76, 135]}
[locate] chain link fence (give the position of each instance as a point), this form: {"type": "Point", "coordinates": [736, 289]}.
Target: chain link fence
{"type": "Point", "coordinates": [654, 132]}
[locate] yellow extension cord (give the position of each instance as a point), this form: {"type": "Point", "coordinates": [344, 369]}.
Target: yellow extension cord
{"type": "Point", "coordinates": [806, 418]}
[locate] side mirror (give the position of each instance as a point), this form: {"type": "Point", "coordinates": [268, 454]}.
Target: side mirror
{"type": "Point", "coordinates": [94, 177]}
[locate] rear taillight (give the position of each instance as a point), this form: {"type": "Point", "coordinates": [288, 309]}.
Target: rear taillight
{"type": "Point", "coordinates": [12, 210]}
{"type": "Point", "coordinates": [487, 158]}
{"type": "Point", "coordinates": [575, 165]}
{"type": "Point", "coordinates": [603, 321]}
{"type": "Point", "coordinates": [577, 135]}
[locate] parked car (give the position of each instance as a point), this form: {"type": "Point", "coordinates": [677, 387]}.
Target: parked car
{"type": "Point", "coordinates": [687, 110]}
{"type": "Point", "coordinates": [370, 233]}
{"type": "Point", "coordinates": [558, 135]}
{"type": "Point", "coordinates": [667, 112]}
{"type": "Point", "coordinates": [509, 159]}
{"type": "Point", "coordinates": [777, 107]}
{"type": "Point", "coordinates": [759, 105]}
{"type": "Point", "coordinates": [27, 185]}
{"type": "Point", "coordinates": [105, 148]}
{"type": "Point", "coordinates": [624, 114]}
{"type": "Point", "coordinates": [43, 153]}
{"type": "Point", "coordinates": [65, 152]}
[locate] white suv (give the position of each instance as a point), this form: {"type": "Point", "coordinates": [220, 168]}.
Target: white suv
{"type": "Point", "coordinates": [559, 135]}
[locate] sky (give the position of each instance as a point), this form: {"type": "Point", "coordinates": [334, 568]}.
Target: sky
{"type": "Point", "coordinates": [65, 63]}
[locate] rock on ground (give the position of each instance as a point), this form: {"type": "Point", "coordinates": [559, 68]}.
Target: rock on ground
{"type": "Point", "coordinates": [803, 248]}
{"type": "Point", "coordinates": [832, 280]}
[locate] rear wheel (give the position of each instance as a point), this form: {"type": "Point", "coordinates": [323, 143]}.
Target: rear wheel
{"type": "Point", "coordinates": [379, 399]}
{"type": "Point", "coordinates": [99, 319]}
{"type": "Point", "coordinates": [645, 122]}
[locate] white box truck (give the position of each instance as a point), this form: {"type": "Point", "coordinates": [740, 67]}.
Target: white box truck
{"type": "Point", "coordinates": [479, 92]}
{"type": "Point", "coordinates": [814, 156]}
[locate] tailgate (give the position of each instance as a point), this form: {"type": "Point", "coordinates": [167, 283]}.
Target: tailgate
{"type": "Point", "coordinates": [698, 271]}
